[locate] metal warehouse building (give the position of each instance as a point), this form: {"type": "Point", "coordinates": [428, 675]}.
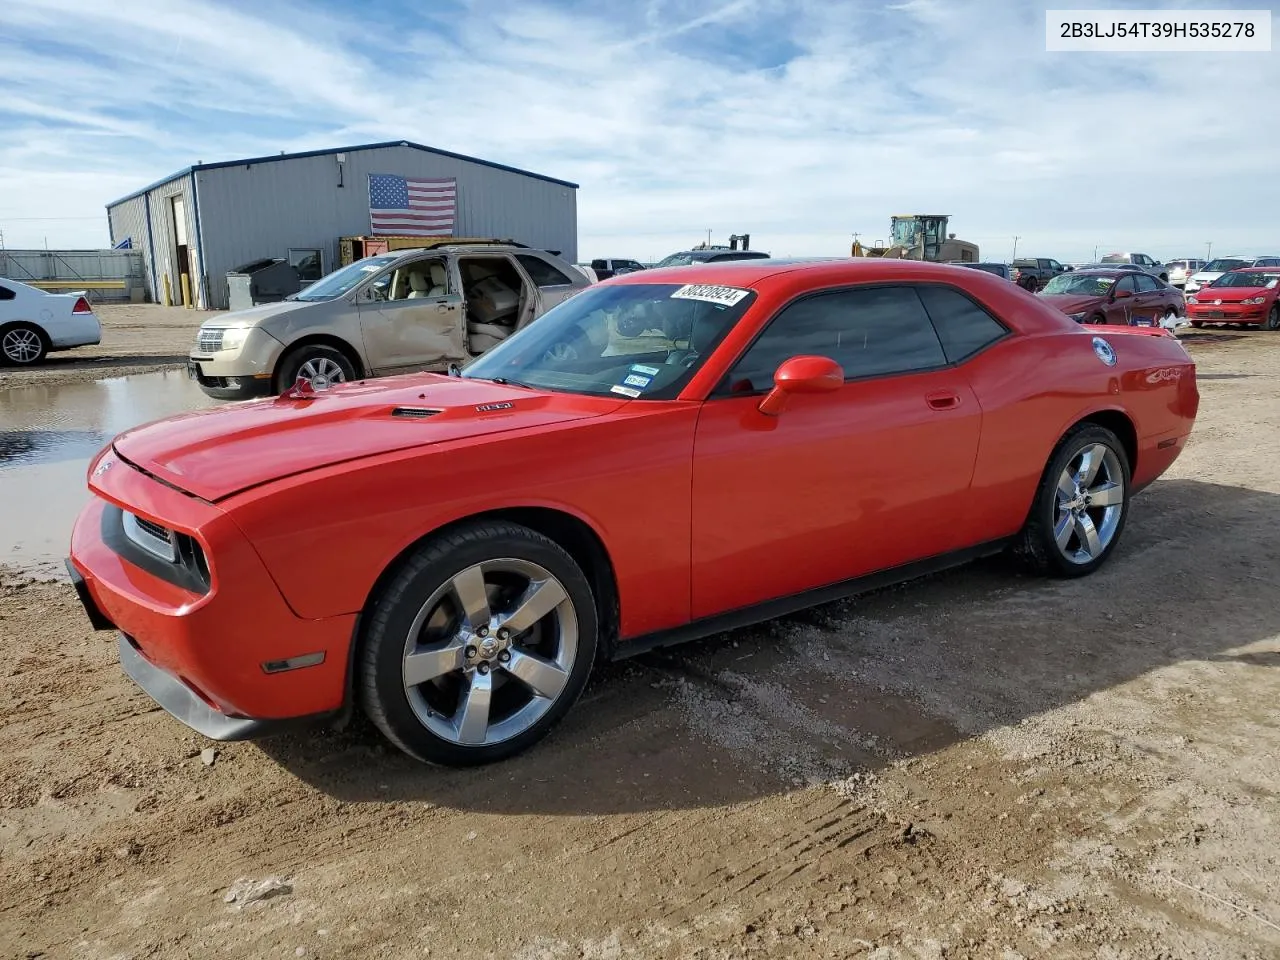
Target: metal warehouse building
{"type": "Point", "coordinates": [213, 217]}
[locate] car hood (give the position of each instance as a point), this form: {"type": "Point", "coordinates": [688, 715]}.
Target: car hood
{"type": "Point", "coordinates": [252, 316]}
{"type": "Point", "coordinates": [1203, 278]}
{"type": "Point", "coordinates": [219, 452]}
{"type": "Point", "coordinates": [1229, 294]}
{"type": "Point", "coordinates": [1070, 302]}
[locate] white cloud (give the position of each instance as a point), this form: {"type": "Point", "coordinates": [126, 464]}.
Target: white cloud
{"type": "Point", "coordinates": [797, 122]}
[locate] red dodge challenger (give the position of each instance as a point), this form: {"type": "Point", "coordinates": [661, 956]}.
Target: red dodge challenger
{"type": "Point", "coordinates": [666, 455]}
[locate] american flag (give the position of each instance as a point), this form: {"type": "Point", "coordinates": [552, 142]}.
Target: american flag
{"type": "Point", "coordinates": [412, 207]}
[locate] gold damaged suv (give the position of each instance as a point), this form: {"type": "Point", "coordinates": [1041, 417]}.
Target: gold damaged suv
{"type": "Point", "coordinates": [399, 312]}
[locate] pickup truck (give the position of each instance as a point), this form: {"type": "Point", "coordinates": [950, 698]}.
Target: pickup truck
{"type": "Point", "coordinates": [1032, 273]}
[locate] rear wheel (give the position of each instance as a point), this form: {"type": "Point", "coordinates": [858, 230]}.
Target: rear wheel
{"type": "Point", "coordinates": [23, 344]}
{"type": "Point", "coordinates": [478, 645]}
{"type": "Point", "coordinates": [319, 363]}
{"type": "Point", "coordinates": [1273, 318]}
{"type": "Point", "coordinates": [1080, 507]}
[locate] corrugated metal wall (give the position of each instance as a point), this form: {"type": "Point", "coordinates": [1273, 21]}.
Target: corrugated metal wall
{"type": "Point", "coordinates": [264, 209]}
{"type": "Point", "coordinates": [159, 252]}
{"type": "Point", "coordinates": [129, 219]}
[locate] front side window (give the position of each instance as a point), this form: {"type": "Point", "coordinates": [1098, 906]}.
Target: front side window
{"type": "Point", "coordinates": [1126, 283]}
{"type": "Point", "coordinates": [638, 341]}
{"type": "Point", "coordinates": [871, 331]}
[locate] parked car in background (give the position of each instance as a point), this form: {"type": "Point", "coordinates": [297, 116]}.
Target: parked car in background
{"type": "Point", "coordinates": [1140, 260]}
{"type": "Point", "coordinates": [1180, 270]}
{"type": "Point", "coordinates": [1128, 267]}
{"type": "Point", "coordinates": [667, 455]}
{"type": "Point", "coordinates": [606, 267]}
{"type": "Point", "coordinates": [588, 272]}
{"type": "Point", "coordinates": [1032, 273]}
{"type": "Point", "coordinates": [1246, 295]}
{"type": "Point", "coordinates": [1212, 270]}
{"type": "Point", "coordinates": [1119, 297]}
{"type": "Point", "coordinates": [34, 322]}
{"type": "Point", "coordinates": [1002, 270]}
{"type": "Point", "coordinates": [714, 255]}
{"type": "Point", "coordinates": [398, 312]}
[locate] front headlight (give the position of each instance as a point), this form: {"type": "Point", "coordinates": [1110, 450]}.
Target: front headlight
{"type": "Point", "coordinates": [1192, 300]}
{"type": "Point", "coordinates": [1254, 301]}
{"type": "Point", "coordinates": [233, 338]}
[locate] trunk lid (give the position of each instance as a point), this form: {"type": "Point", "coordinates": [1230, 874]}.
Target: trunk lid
{"type": "Point", "coordinates": [222, 451]}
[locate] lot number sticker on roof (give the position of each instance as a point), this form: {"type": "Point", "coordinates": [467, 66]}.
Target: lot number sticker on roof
{"type": "Point", "coordinates": [724, 296]}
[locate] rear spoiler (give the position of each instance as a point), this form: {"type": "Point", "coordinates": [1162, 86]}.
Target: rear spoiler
{"type": "Point", "coordinates": [1113, 328]}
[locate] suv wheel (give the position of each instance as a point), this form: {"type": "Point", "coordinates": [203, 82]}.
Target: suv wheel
{"type": "Point", "coordinates": [321, 364]}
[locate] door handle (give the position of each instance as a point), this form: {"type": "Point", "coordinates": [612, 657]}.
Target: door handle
{"type": "Point", "coordinates": [944, 400]}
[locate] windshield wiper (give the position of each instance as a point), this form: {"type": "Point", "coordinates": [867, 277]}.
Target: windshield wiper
{"type": "Point", "coordinates": [511, 383]}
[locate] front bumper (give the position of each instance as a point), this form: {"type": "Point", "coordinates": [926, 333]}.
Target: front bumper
{"type": "Point", "coordinates": [1226, 313]}
{"type": "Point", "coordinates": [242, 372]}
{"type": "Point", "coordinates": [231, 661]}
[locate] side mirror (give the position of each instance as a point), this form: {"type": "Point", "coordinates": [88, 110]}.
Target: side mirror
{"type": "Point", "coordinates": [1122, 294]}
{"type": "Point", "coordinates": [804, 374]}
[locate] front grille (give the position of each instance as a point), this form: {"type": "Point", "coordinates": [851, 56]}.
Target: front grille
{"type": "Point", "coordinates": [209, 341]}
{"type": "Point", "coordinates": [151, 537]}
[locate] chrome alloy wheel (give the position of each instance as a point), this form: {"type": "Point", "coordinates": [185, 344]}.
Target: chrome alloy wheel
{"type": "Point", "coordinates": [322, 372]}
{"type": "Point", "coordinates": [490, 652]}
{"type": "Point", "coordinates": [1089, 504]}
{"type": "Point", "coordinates": [21, 345]}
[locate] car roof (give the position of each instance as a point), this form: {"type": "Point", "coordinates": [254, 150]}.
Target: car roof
{"type": "Point", "coordinates": [748, 273]}
{"type": "Point", "coordinates": [1102, 270]}
{"type": "Point", "coordinates": [1254, 269]}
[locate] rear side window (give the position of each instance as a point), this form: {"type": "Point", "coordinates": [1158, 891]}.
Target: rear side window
{"type": "Point", "coordinates": [1147, 283]}
{"type": "Point", "coordinates": [543, 273]}
{"type": "Point", "coordinates": [6, 293]}
{"type": "Point", "coordinates": [872, 331]}
{"type": "Point", "coordinates": [963, 327]}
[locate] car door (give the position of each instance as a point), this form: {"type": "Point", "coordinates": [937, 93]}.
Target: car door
{"type": "Point", "coordinates": [841, 484]}
{"type": "Point", "coordinates": [1117, 306]}
{"type": "Point", "coordinates": [411, 317]}
{"type": "Point", "coordinates": [1149, 302]}
{"type": "Point", "coordinates": [553, 286]}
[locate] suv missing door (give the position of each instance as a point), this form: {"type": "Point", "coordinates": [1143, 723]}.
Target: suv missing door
{"type": "Point", "coordinates": [393, 313]}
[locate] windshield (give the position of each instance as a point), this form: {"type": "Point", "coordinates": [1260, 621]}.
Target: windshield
{"type": "Point", "coordinates": [1080, 284]}
{"type": "Point", "coordinates": [676, 260]}
{"type": "Point", "coordinates": [1222, 266]}
{"type": "Point", "coordinates": [340, 281]}
{"type": "Point", "coordinates": [633, 340]}
{"type": "Point", "coordinates": [1248, 278]}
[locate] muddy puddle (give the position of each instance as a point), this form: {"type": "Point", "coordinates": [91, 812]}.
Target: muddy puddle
{"type": "Point", "coordinates": [48, 434]}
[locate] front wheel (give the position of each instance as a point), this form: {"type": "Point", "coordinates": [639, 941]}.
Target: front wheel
{"type": "Point", "coordinates": [478, 645]}
{"type": "Point", "coordinates": [1098, 318]}
{"type": "Point", "coordinates": [1273, 318]}
{"type": "Point", "coordinates": [1080, 507]}
{"type": "Point", "coordinates": [322, 365]}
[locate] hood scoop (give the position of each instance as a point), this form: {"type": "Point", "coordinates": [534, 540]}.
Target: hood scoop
{"type": "Point", "coordinates": [415, 413]}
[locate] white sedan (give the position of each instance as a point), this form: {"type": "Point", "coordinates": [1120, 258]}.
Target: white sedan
{"type": "Point", "coordinates": [33, 322]}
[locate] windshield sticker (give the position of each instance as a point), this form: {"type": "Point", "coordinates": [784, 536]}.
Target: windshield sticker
{"type": "Point", "coordinates": [635, 380]}
{"type": "Point", "coordinates": [724, 296]}
{"type": "Point", "coordinates": [626, 391]}
{"type": "Point", "coordinates": [641, 368]}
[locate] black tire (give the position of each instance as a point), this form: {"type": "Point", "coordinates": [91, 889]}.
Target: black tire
{"type": "Point", "coordinates": [17, 340]}
{"type": "Point", "coordinates": [1035, 548]}
{"type": "Point", "coordinates": [1273, 318]}
{"type": "Point", "coordinates": [381, 657]}
{"type": "Point", "coordinates": [292, 363]}
{"type": "Point", "coordinates": [1097, 318]}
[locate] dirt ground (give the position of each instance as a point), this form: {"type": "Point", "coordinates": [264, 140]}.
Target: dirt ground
{"type": "Point", "coordinates": [136, 338]}
{"type": "Point", "coordinates": [976, 765]}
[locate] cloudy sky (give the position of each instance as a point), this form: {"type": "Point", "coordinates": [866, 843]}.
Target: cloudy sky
{"type": "Point", "coordinates": [798, 121]}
